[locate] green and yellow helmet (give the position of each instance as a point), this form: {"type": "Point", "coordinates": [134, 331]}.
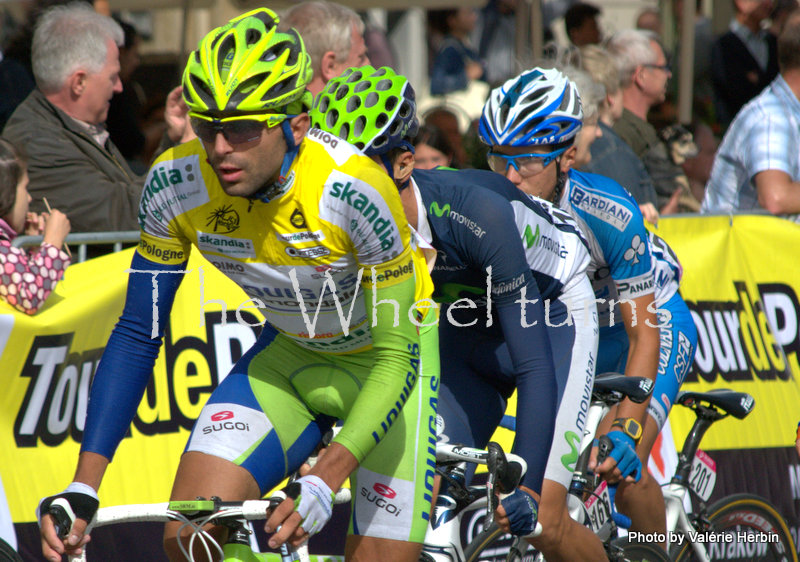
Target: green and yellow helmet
{"type": "Point", "coordinates": [248, 66]}
{"type": "Point", "coordinates": [373, 109]}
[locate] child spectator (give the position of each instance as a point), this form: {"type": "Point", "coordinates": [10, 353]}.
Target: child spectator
{"type": "Point", "coordinates": [432, 148]}
{"type": "Point", "coordinates": [26, 279]}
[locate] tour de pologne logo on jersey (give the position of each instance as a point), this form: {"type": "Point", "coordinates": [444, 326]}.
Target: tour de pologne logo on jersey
{"type": "Point", "coordinates": [223, 219]}
{"type": "Point", "coordinates": [608, 210]}
{"type": "Point", "coordinates": [300, 237]}
{"type": "Point", "coordinates": [297, 219]}
{"type": "Point", "coordinates": [226, 245]}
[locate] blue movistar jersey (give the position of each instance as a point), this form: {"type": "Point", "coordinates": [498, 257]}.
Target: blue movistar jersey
{"type": "Point", "coordinates": [627, 261]}
{"type": "Point", "coordinates": [494, 243]}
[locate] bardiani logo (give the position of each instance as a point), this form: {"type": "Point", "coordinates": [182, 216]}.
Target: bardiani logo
{"type": "Point", "coordinates": [604, 208]}
{"type": "Point", "coordinates": [226, 245]}
{"type": "Point", "coordinates": [300, 237]}
{"type": "Point", "coordinates": [183, 176]}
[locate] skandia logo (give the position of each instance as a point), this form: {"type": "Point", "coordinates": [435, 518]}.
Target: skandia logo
{"type": "Point", "coordinates": [383, 228]}
{"type": "Point", "coordinates": [223, 415]}
{"type": "Point", "coordinates": [239, 247]}
{"type": "Point", "coordinates": [384, 490]}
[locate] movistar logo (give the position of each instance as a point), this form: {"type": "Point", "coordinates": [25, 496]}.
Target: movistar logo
{"type": "Point", "coordinates": [570, 459]}
{"type": "Point", "coordinates": [529, 237]}
{"type": "Point", "coordinates": [435, 209]}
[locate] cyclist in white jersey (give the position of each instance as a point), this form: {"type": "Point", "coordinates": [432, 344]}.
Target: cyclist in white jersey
{"type": "Point", "coordinates": [522, 122]}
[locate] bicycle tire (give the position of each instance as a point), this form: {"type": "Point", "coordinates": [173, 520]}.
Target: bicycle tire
{"type": "Point", "coordinates": [8, 554]}
{"type": "Point", "coordinates": [482, 541]}
{"type": "Point", "coordinates": [639, 551]}
{"type": "Point", "coordinates": [742, 513]}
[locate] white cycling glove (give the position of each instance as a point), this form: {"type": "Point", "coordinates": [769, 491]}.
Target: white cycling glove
{"type": "Point", "coordinates": [313, 500]}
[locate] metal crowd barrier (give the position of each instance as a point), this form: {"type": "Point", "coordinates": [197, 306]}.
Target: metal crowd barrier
{"type": "Point", "coordinates": [80, 240]}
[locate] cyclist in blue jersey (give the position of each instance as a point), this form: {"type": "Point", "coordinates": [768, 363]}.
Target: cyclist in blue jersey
{"type": "Point", "coordinates": [316, 219]}
{"type": "Point", "coordinates": [634, 273]}
{"type": "Point", "coordinates": [476, 220]}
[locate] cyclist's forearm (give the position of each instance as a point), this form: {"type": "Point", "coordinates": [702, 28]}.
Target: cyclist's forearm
{"type": "Point", "coordinates": [91, 469]}
{"type": "Point", "coordinates": [335, 466]}
{"type": "Point", "coordinates": [643, 355]}
{"type": "Point", "coordinates": [393, 375]}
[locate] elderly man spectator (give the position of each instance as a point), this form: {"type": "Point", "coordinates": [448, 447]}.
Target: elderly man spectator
{"type": "Point", "coordinates": [758, 164]}
{"type": "Point", "coordinates": [333, 35]}
{"type": "Point", "coordinates": [743, 60]}
{"type": "Point", "coordinates": [644, 74]}
{"type": "Point", "coordinates": [71, 160]}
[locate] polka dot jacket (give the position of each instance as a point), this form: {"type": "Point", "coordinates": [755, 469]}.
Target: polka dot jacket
{"type": "Point", "coordinates": [26, 279]}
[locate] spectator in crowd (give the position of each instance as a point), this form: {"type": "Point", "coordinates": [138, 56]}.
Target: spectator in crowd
{"type": "Point", "coordinates": [71, 159]}
{"type": "Point", "coordinates": [16, 69]}
{"type": "Point", "coordinates": [447, 122]}
{"type": "Point", "coordinates": [27, 279]}
{"type": "Point", "coordinates": [431, 148]}
{"type": "Point", "coordinates": [649, 19]}
{"type": "Point", "coordinates": [136, 142]}
{"type": "Point", "coordinates": [580, 21]}
{"type": "Point", "coordinates": [698, 168]}
{"type": "Point", "coordinates": [591, 94]}
{"type": "Point", "coordinates": [456, 63]}
{"type": "Point", "coordinates": [611, 156]}
{"type": "Point", "coordinates": [497, 43]}
{"type": "Point", "coordinates": [758, 163]}
{"type": "Point", "coordinates": [379, 49]}
{"type": "Point", "coordinates": [781, 9]}
{"type": "Point", "coordinates": [743, 60]}
{"type": "Point", "coordinates": [333, 35]}
{"type": "Point", "coordinates": [644, 74]}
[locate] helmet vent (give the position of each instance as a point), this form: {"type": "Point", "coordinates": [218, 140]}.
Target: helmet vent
{"type": "Point", "coordinates": [396, 127]}
{"type": "Point", "coordinates": [355, 76]}
{"type": "Point", "coordinates": [252, 37]}
{"type": "Point", "coordinates": [358, 126]}
{"type": "Point", "coordinates": [203, 92]}
{"type": "Point", "coordinates": [405, 110]}
{"type": "Point", "coordinates": [381, 120]}
{"type": "Point", "coordinates": [371, 100]}
{"type": "Point", "coordinates": [383, 85]}
{"type": "Point", "coordinates": [324, 102]}
{"type": "Point", "coordinates": [361, 86]}
{"type": "Point", "coordinates": [342, 92]}
{"type": "Point", "coordinates": [379, 142]}
{"type": "Point", "coordinates": [380, 72]}
{"type": "Point", "coordinates": [344, 131]}
{"type": "Point", "coordinates": [331, 118]}
{"type": "Point", "coordinates": [391, 103]}
{"type": "Point", "coordinates": [353, 103]}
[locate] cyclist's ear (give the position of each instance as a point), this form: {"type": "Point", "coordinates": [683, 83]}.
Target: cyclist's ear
{"type": "Point", "coordinates": [403, 166]}
{"type": "Point", "coordinates": [567, 160]}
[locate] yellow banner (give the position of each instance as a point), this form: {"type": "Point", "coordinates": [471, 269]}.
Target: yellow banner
{"type": "Point", "coordinates": [740, 280]}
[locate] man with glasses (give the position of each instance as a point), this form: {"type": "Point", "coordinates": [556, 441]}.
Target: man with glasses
{"type": "Point", "coordinates": [300, 223]}
{"type": "Point", "coordinates": [530, 123]}
{"type": "Point", "coordinates": [644, 73]}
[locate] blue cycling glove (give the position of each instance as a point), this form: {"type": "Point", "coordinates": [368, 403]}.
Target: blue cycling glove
{"type": "Point", "coordinates": [624, 452]}
{"type": "Point", "coordinates": [522, 512]}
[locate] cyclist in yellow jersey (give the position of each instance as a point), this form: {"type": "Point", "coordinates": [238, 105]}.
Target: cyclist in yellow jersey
{"type": "Point", "coordinates": [314, 232]}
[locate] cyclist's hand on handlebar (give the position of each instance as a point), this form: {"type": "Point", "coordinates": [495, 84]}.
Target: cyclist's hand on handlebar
{"type": "Point", "coordinates": [622, 461]}
{"type": "Point", "coordinates": [63, 519]}
{"type": "Point", "coordinates": [303, 513]}
{"type": "Point", "coordinates": [517, 513]}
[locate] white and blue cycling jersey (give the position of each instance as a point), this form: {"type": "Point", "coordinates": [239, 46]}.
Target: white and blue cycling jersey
{"type": "Point", "coordinates": [462, 215]}
{"type": "Point", "coordinates": [629, 262]}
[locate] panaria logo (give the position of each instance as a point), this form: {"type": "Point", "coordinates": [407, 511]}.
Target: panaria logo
{"type": "Point", "coordinates": [224, 415]}
{"type": "Point", "coordinates": [384, 490]}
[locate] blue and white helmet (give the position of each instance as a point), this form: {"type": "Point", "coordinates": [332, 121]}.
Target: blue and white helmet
{"type": "Point", "coordinates": [538, 107]}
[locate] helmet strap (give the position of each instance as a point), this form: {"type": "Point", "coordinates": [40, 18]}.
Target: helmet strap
{"type": "Point", "coordinates": [561, 180]}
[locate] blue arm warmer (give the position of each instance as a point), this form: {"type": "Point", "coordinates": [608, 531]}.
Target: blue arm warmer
{"type": "Point", "coordinates": [127, 363]}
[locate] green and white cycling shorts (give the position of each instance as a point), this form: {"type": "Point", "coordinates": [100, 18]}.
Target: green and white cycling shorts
{"type": "Point", "coordinates": [269, 414]}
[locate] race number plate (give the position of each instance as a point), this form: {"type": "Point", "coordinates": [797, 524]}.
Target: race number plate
{"type": "Point", "coordinates": [598, 507]}
{"type": "Point", "coordinates": [703, 476]}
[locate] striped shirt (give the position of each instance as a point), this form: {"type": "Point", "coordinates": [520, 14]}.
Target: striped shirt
{"type": "Point", "coordinates": [765, 135]}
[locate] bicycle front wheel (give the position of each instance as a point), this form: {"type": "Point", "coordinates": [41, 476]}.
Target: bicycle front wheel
{"type": "Point", "coordinates": [632, 551]}
{"type": "Point", "coordinates": [743, 527]}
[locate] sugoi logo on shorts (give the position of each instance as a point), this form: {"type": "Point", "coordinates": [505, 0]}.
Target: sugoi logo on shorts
{"type": "Point", "coordinates": [384, 490]}
{"type": "Point", "coordinates": [236, 247]}
{"type": "Point", "coordinates": [381, 502]}
{"type": "Point", "coordinates": [395, 273]}
{"type": "Point", "coordinates": [223, 415]}
{"type": "Point", "coordinates": [308, 253]}
{"type": "Point", "coordinates": [225, 426]}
